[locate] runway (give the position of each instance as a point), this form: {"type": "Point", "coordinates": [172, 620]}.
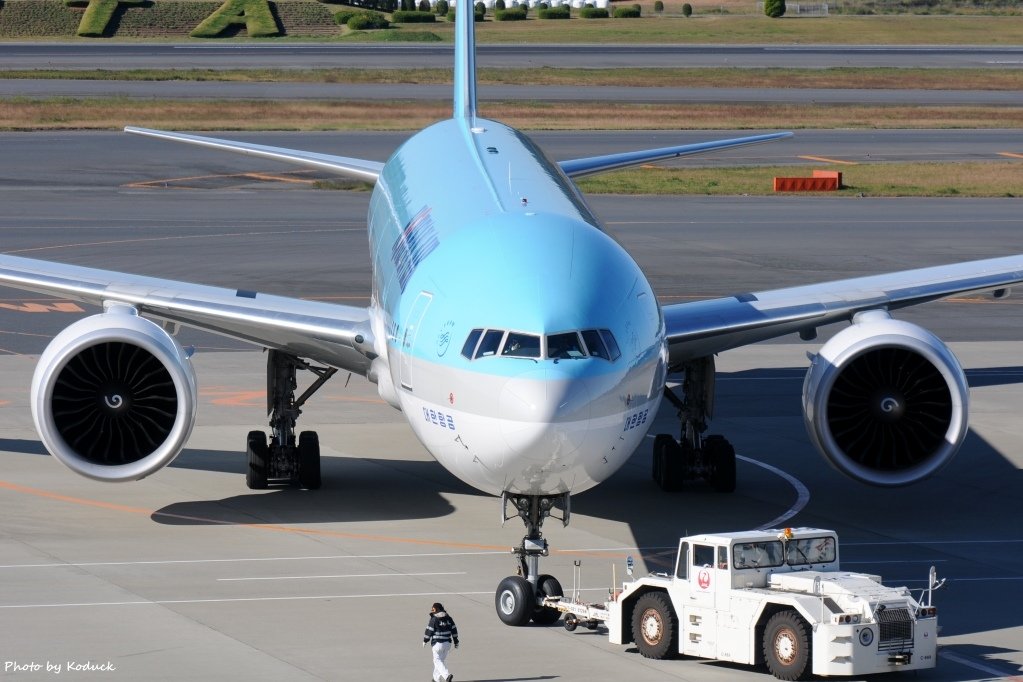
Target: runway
{"type": "Point", "coordinates": [77, 55]}
{"type": "Point", "coordinates": [189, 574]}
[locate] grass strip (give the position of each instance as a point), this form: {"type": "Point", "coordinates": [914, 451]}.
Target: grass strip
{"type": "Point", "coordinates": [967, 179]}
{"type": "Point", "coordinates": [838, 77]}
{"type": "Point", "coordinates": [113, 113]}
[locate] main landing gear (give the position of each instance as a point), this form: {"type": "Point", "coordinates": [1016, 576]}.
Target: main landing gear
{"type": "Point", "coordinates": [519, 597]}
{"type": "Point", "coordinates": [283, 460]}
{"type": "Point", "coordinates": [694, 456]}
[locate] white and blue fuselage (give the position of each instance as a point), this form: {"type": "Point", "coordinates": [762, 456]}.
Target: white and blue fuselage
{"type": "Point", "coordinates": [494, 293]}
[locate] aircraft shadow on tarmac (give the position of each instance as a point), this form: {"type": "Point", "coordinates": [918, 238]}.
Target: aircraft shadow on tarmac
{"type": "Point", "coordinates": [354, 490]}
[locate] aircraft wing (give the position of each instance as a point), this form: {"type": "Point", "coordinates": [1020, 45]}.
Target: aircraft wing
{"type": "Point", "coordinates": [336, 335]}
{"type": "Point", "coordinates": [577, 168]}
{"type": "Point", "coordinates": [702, 328]}
{"type": "Point", "coordinates": [359, 169]}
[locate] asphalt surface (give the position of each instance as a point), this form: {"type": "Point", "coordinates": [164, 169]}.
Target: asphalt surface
{"type": "Point", "coordinates": [405, 91]}
{"type": "Point", "coordinates": [375, 55]}
{"type": "Point", "coordinates": [190, 575]}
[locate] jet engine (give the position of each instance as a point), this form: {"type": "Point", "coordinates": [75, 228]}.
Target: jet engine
{"type": "Point", "coordinates": [886, 401]}
{"type": "Point", "coordinates": [114, 396]}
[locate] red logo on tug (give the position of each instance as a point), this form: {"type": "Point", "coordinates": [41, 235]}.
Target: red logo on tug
{"type": "Point", "coordinates": [703, 579]}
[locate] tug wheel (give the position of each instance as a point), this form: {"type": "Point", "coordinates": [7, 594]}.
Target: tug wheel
{"type": "Point", "coordinates": [787, 646]}
{"type": "Point", "coordinates": [655, 626]}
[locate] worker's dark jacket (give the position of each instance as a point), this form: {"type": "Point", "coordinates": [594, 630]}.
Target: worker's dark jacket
{"type": "Point", "coordinates": [441, 629]}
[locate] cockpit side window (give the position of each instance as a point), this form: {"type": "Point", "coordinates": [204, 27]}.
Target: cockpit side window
{"type": "Point", "coordinates": [565, 346]}
{"type": "Point", "coordinates": [470, 343]}
{"type": "Point", "coordinates": [594, 344]}
{"type": "Point", "coordinates": [612, 345]}
{"type": "Point", "coordinates": [521, 346]}
{"type": "Point", "coordinates": [490, 343]}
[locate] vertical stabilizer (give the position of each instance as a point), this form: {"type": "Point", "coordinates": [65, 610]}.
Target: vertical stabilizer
{"type": "Point", "coordinates": [465, 62]}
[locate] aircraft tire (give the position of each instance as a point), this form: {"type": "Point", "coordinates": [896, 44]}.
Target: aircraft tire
{"type": "Point", "coordinates": [258, 454]}
{"type": "Point", "coordinates": [547, 586]}
{"type": "Point", "coordinates": [722, 462]}
{"type": "Point", "coordinates": [514, 601]}
{"type": "Point", "coordinates": [309, 460]}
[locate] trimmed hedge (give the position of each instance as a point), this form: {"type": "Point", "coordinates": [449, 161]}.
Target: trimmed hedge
{"type": "Point", "coordinates": [554, 13]}
{"type": "Point", "coordinates": [627, 12]}
{"type": "Point", "coordinates": [593, 13]}
{"type": "Point", "coordinates": [254, 15]}
{"type": "Point", "coordinates": [513, 14]}
{"type": "Point", "coordinates": [95, 21]}
{"type": "Point", "coordinates": [406, 17]}
{"type": "Point", "coordinates": [476, 16]}
{"type": "Point", "coordinates": [687, 10]}
{"type": "Point", "coordinates": [365, 21]}
{"type": "Point", "coordinates": [774, 8]}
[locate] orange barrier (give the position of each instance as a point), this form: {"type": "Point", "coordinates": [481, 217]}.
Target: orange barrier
{"type": "Point", "coordinates": [829, 174]}
{"type": "Point", "coordinates": [805, 184]}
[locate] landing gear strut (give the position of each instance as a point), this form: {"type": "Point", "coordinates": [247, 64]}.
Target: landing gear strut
{"type": "Point", "coordinates": [694, 456]}
{"type": "Point", "coordinates": [519, 597]}
{"type": "Point", "coordinates": [283, 460]}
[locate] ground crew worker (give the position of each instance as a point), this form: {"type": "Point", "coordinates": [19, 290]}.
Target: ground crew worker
{"type": "Point", "coordinates": [441, 632]}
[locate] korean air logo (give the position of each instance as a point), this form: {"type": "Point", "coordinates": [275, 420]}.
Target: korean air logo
{"type": "Point", "coordinates": [444, 338]}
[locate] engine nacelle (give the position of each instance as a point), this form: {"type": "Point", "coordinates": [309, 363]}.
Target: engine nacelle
{"type": "Point", "coordinates": [114, 396]}
{"type": "Point", "coordinates": [886, 401]}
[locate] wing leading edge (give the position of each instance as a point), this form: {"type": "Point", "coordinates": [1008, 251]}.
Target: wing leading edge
{"type": "Point", "coordinates": [577, 168]}
{"type": "Point", "coordinates": [703, 328]}
{"type": "Point", "coordinates": [337, 335]}
{"type": "Point", "coordinates": [359, 169]}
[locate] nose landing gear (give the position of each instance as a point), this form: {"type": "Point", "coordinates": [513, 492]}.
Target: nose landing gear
{"type": "Point", "coordinates": [519, 597]}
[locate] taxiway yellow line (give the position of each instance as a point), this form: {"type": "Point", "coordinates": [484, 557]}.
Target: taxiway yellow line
{"type": "Point", "coordinates": [827, 160]}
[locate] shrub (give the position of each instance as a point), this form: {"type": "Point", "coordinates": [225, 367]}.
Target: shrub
{"type": "Point", "coordinates": [341, 18]}
{"type": "Point", "coordinates": [480, 8]}
{"type": "Point", "coordinates": [554, 13]}
{"type": "Point", "coordinates": [442, 7]}
{"type": "Point", "coordinates": [406, 17]}
{"type": "Point", "coordinates": [658, 6]}
{"type": "Point", "coordinates": [543, 5]}
{"type": "Point", "coordinates": [424, 6]}
{"type": "Point", "coordinates": [476, 16]}
{"type": "Point", "coordinates": [626, 13]}
{"type": "Point", "coordinates": [499, 4]}
{"type": "Point", "coordinates": [593, 13]}
{"type": "Point", "coordinates": [687, 10]}
{"type": "Point", "coordinates": [774, 8]}
{"type": "Point", "coordinates": [254, 15]}
{"type": "Point", "coordinates": [365, 21]}
{"type": "Point", "coordinates": [513, 14]}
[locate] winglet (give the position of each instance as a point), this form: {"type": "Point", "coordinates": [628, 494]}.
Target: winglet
{"type": "Point", "coordinates": [465, 62]}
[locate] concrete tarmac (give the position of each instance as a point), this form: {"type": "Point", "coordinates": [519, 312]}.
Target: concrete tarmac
{"type": "Point", "coordinates": [294, 55]}
{"type": "Point", "coordinates": [188, 574]}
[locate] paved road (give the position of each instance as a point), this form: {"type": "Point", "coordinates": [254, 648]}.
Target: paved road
{"type": "Point", "coordinates": [307, 56]}
{"type": "Point", "coordinates": [405, 91]}
{"type": "Point", "coordinates": [189, 575]}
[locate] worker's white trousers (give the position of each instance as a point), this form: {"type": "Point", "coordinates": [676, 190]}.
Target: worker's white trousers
{"type": "Point", "coordinates": [440, 652]}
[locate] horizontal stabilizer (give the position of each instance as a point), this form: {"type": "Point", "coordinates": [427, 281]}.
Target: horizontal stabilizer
{"type": "Point", "coordinates": [359, 169]}
{"type": "Point", "coordinates": [599, 164]}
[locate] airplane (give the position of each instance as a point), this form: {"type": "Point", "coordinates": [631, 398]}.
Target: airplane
{"type": "Point", "coordinates": [524, 346]}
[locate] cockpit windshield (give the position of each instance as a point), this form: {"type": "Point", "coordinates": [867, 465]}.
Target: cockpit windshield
{"type": "Point", "coordinates": [570, 345]}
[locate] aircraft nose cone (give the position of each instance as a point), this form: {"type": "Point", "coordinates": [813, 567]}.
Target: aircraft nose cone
{"type": "Point", "coordinates": [544, 413]}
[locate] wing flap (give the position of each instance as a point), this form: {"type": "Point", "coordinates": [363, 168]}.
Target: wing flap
{"type": "Point", "coordinates": [336, 335]}
{"type": "Point", "coordinates": [703, 328]}
{"type": "Point", "coordinates": [577, 168]}
{"type": "Point", "coordinates": [359, 169]}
